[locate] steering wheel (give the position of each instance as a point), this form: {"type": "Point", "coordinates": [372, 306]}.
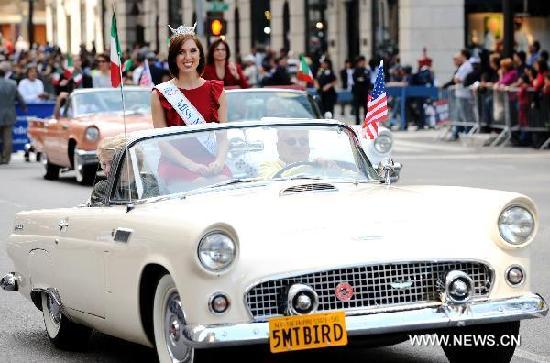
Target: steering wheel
{"type": "Point", "coordinates": [292, 166]}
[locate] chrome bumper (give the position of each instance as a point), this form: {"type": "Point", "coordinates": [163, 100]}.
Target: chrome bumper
{"type": "Point", "coordinates": [10, 282]}
{"type": "Point", "coordinates": [87, 157]}
{"type": "Point", "coordinates": [488, 312]}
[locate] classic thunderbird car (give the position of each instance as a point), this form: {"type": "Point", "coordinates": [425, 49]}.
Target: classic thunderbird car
{"type": "Point", "coordinates": [257, 103]}
{"type": "Point", "coordinates": [309, 251]}
{"type": "Point", "coordinates": [69, 139]}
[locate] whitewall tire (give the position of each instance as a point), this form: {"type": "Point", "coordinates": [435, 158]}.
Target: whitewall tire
{"type": "Point", "coordinates": [169, 323]}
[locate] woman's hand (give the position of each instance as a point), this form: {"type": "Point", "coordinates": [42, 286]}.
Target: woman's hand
{"type": "Point", "coordinates": [215, 167]}
{"type": "Point", "coordinates": [233, 70]}
{"type": "Point", "coordinates": [198, 169]}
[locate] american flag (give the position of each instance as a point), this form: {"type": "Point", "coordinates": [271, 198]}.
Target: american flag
{"type": "Point", "coordinates": [145, 78]}
{"type": "Point", "coordinates": [377, 108]}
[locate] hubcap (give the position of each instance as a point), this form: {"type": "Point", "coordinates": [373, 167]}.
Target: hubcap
{"type": "Point", "coordinates": [54, 310]}
{"type": "Point", "coordinates": [174, 322]}
{"type": "Point", "coordinates": [77, 167]}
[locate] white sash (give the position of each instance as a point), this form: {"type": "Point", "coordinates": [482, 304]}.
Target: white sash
{"type": "Point", "coordinates": [187, 112]}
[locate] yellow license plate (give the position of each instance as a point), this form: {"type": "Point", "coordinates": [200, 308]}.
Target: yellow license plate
{"type": "Point", "coordinates": [307, 332]}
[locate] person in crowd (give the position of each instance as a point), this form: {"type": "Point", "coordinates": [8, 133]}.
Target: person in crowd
{"type": "Point", "coordinates": [541, 69]}
{"type": "Point", "coordinates": [154, 69]}
{"type": "Point", "coordinates": [71, 78]}
{"type": "Point", "coordinates": [519, 59]}
{"type": "Point", "coordinates": [546, 88]}
{"type": "Point", "coordinates": [415, 105]}
{"type": "Point", "coordinates": [507, 74]}
{"type": "Point", "coordinates": [534, 51]}
{"type": "Point", "coordinates": [251, 70]}
{"type": "Point", "coordinates": [463, 93]}
{"type": "Point", "coordinates": [105, 153]}
{"type": "Point", "coordinates": [279, 76]}
{"type": "Point", "coordinates": [219, 67]}
{"type": "Point", "coordinates": [31, 88]}
{"type": "Point", "coordinates": [101, 77]}
{"type": "Point", "coordinates": [325, 83]}
{"type": "Point", "coordinates": [9, 95]}
{"type": "Point", "coordinates": [346, 75]}
{"type": "Point", "coordinates": [187, 61]}
{"type": "Point", "coordinates": [137, 71]}
{"type": "Point", "coordinates": [361, 86]}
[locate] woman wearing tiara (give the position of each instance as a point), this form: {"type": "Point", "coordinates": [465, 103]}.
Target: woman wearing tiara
{"type": "Point", "coordinates": [204, 101]}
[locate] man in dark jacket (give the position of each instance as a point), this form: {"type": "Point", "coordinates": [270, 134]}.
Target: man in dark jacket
{"type": "Point", "coordinates": [280, 76]}
{"type": "Point", "coordinates": [360, 89]}
{"type": "Point", "coordinates": [8, 96]}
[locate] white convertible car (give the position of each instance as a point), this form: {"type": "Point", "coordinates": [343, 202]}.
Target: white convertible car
{"type": "Point", "coordinates": [311, 249]}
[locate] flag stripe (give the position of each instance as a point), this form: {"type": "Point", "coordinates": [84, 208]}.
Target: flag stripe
{"type": "Point", "coordinates": [377, 105]}
{"type": "Point", "coordinates": [115, 55]}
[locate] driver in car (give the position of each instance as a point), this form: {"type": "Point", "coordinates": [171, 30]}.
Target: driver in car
{"type": "Point", "coordinates": [293, 148]}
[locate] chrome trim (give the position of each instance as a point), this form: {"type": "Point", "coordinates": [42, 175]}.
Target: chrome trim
{"type": "Point", "coordinates": [531, 211]}
{"type": "Point", "coordinates": [526, 306]}
{"type": "Point", "coordinates": [524, 275]}
{"type": "Point", "coordinates": [294, 290]}
{"type": "Point", "coordinates": [87, 157]}
{"type": "Point", "coordinates": [18, 227]}
{"type": "Point", "coordinates": [287, 275]}
{"type": "Point", "coordinates": [211, 299]}
{"type": "Point", "coordinates": [10, 281]}
{"type": "Point", "coordinates": [318, 187]}
{"type": "Point", "coordinates": [451, 277]}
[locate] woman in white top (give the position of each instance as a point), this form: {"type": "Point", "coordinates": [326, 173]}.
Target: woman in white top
{"type": "Point", "coordinates": [101, 77]}
{"type": "Point", "coordinates": [31, 88]}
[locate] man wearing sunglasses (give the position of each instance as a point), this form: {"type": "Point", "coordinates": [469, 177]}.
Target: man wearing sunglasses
{"type": "Point", "coordinates": [293, 147]}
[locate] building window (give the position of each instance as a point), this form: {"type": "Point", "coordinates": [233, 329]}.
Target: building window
{"type": "Point", "coordinates": [316, 30]}
{"type": "Point", "coordinates": [237, 33]}
{"type": "Point", "coordinates": [286, 26]}
{"type": "Point", "coordinates": [174, 13]}
{"type": "Point", "coordinates": [385, 27]}
{"type": "Point", "coordinates": [261, 25]}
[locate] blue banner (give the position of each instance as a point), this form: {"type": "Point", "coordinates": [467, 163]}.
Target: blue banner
{"type": "Point", "coordinates": [19, 131]}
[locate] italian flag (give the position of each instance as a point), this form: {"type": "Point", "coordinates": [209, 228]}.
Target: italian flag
{"type": "Point", "coordinates": [115, 55]}
{"type": "Point", "coordinates": [304, 73]}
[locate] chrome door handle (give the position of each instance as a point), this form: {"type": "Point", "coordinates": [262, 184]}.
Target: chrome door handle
{"type": "Point", "coordinates": [63, 224]}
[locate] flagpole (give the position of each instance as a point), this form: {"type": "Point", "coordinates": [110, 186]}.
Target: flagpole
{"type": "Point", "coordinates": [130, 206]}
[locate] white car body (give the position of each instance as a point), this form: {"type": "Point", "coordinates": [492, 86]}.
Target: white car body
{"type": "Point", "coordinates": [102, 262]}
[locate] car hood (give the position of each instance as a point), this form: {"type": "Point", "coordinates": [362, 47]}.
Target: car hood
{"type": "Point", "coordinates": [354, 224]}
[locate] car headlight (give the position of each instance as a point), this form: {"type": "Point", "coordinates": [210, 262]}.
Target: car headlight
{"type": "Point", "coordinates": [516, 225]}
{"type": "Point", "coordinates": [216, 251]}
{"type": "Point", "coordinates": [91, 134]}
{"type": "Point", "coordinates": [383, 144]}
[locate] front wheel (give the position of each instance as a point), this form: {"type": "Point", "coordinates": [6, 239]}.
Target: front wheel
{"type": "Point", "coordinates": [483, 343]}
{"type": "Point", "coordinates": [63, 333]}
{"type": "Point", "coordinates": [52, 170]}
{"type": "Point", "coordinates": [169, 324]}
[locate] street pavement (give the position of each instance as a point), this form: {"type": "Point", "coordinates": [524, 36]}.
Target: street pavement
{"type": "Point", "coordinates": [426, 160]}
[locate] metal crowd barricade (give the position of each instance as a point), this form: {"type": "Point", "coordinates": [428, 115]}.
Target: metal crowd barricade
{"type": "Point", "coordinates": [463, 110]}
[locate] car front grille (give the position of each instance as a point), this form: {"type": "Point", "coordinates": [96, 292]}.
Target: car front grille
{"type": "Point", "coordinates": [372, 286]}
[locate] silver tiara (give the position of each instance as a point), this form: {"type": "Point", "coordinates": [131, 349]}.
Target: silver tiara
{"type": "Point", "coordinates": [183, 30]}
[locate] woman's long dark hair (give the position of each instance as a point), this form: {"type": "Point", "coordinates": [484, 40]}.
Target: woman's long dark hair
{"type": "Point", "coordinates": [210, 58]}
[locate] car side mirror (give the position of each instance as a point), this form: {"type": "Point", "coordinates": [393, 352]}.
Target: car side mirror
{"type": "Point", "coordinates": [389, 171]}
{"type": "Point", "coordinates": [328, 115]}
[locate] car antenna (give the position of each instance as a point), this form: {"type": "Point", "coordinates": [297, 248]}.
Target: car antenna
{"type": "Point", "coordinates": [115, 50]}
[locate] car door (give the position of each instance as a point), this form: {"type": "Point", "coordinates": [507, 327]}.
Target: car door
{"type": "Point", "coordinates": [86, 236]}
{"type": "Point", "coordinates": [56, 139]}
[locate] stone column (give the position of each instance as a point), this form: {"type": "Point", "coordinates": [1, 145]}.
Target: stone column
{"type": "Point", "coordinates": [61, 27]}
{"type": "Point", "coordinates": [297, 27]}
{"type": "Point", "coordinates": [277, 24]}
{"type": "Point", "coordinates": [436, 25]}
{"type": "Point", "coordinates": [365, 28]}
{"type": "Point", "coordinates": [50, 34]}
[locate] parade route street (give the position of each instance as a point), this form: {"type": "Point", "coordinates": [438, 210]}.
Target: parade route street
{"type": "Point", "coordinates": [425, 161]}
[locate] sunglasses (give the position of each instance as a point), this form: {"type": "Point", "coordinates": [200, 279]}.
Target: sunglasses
{"type": "Point", "coordinates": [293, 141]}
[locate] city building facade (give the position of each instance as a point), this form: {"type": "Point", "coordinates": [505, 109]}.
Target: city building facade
{"type": "Point", "coordinates": [338, 29]}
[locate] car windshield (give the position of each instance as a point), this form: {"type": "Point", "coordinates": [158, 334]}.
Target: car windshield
{"type": "Point", "coordinates": [186, 162]}
{"type": "Point", "coordinates": [108, 101]}
{"type": "Point", "coordinates": [250, 105]}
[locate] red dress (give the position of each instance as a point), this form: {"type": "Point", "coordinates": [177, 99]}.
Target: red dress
{"type": "Point", "coordinates": [205, 100]}
{"type": "Point", "coordinates": [229, 80]}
